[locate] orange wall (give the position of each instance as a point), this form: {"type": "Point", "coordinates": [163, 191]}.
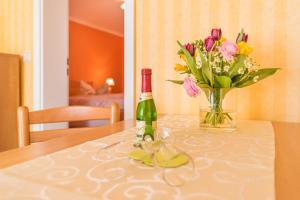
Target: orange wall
{"type": "Point", "coordinates": [95, 55]}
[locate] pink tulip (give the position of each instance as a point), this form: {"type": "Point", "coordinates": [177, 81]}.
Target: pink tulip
{"type": "Point", "coordinates": [209, 43]}
{"type": "Point", "coordinates": [191, 87]}
{"type": "Point", "coordinates": [228, 50]}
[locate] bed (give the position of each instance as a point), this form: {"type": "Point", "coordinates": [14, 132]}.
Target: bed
{"type": "Point", "coordinates": [103, 100]}
{"type": "Point", "coordinates": [95, 100]}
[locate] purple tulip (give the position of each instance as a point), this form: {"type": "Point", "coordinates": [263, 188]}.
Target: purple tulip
{"type": "Point", "coordinates": [209, 43]}
{"type": "Point", "coordinates": [190, 48]}
{"type": "Point", "coordinates": [245, 37]}
{"type": "Point", "coordinates": [216, 33]}
{"type": "Point", "coordinates": [242, 37]}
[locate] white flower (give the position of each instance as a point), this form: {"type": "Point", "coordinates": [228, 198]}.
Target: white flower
{"type": "Point", "coordinates": [213, 66]}
{"type": "Point", "coordinates": [198, 62]}
{"type": "Point", "coordinates": [226, 68]}
{"type": "Point", "coordinates": [240, 70]}
{"type": "Point", "coordinates": [255, 79]}
{"type": "Point", "coordinates": [217, 59]}
{"type": "Point", "coordinates": [248, 63]}
{"type": "Point", "coordinates": [218, 69]}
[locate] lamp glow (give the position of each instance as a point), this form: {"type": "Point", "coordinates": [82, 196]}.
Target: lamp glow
{"type": "Point", "coordinates": [110, 82]}
{"type": "Point", "coordinates": [123, 6]}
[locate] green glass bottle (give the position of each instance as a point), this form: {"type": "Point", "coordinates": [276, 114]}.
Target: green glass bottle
{"type": "Point", "coordinates": [146, 115]}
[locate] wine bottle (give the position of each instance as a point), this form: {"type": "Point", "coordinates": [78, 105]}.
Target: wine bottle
{"type": "Point", "coordinates": [146, 115]}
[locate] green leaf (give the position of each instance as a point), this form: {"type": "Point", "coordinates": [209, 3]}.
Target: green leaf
{"type": "Point", "coordinates": [187, 72]}
{"type": "Point", "coordinates": [206, 71]}
{"type": "Point", "coordinates": [222, 82]}
{"type": "Point", "coordinates": [199, 43]}
{"type": "Point", "coordinates": [261, 74]}
{"type": "Point", "coordinates": [236, 79]}
{"type": "Point", "coordinates": [203, 85]}
{"type": "Point", "coordinates": [176, 81]}
{"type": "Point", "coordinates": [191, 63]}
{"type": "Point", "coordinates": [239, 63]}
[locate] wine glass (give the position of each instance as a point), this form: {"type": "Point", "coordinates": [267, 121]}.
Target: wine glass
{"type": "Point", "coordinates": [165, 146]}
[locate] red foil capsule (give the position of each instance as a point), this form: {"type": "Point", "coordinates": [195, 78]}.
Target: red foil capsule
{"type": "Point", "coordinates": [146, 80]}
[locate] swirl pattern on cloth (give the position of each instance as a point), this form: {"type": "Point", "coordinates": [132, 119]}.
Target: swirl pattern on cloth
{"type": "Point", "coordinates": [236, 165]}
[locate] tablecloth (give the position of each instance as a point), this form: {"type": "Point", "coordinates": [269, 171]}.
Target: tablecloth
{"type": "Point", "coordinates": [228, 166]}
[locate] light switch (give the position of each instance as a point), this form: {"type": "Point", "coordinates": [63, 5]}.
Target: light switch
{"type": "Point", "coordinates": [26, 57]}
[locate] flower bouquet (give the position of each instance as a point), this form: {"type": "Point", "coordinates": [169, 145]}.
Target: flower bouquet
{"type": "Point", "coordinates": [217, 65]}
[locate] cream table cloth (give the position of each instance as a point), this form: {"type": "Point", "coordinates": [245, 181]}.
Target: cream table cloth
{"type": "Point", "coordinates": [228, 166]}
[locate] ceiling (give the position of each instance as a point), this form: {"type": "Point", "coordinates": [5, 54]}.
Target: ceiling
{"type": "Point", "coordinates": [105, 15]}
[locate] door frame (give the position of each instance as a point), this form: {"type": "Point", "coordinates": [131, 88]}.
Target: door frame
{"type": "Point", "coordinates": [37, 58]}
{"type": "Point", "coordinates": [129, 58]}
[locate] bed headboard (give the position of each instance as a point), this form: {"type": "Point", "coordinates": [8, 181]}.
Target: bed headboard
{"type": "Point", "coordinates": [74, 87]}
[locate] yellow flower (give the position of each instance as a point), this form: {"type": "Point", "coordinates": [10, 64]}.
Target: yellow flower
{"type": "Point", "coordinates": [196, 52]}
{"type": "Point", "coordinates": [179, 67]}
{"type": "Point", "coordinates": [182, 56]}
{"type": "Point", "coordinates": [244, 49]}
{"type": "Point", "coordinates": [222, 39]}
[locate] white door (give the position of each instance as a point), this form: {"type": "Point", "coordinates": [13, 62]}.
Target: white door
{"type": "Point", "coordinates": [54, 35]}
{"type": "Point", "coordinates": [129, 77]}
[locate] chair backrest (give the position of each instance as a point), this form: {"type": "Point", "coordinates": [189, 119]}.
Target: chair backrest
{"type": "Point", "coordinates": [61, 114]}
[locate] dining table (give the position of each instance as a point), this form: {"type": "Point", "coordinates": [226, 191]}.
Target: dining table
{"type": "Point", "coordinates": [259, 160]}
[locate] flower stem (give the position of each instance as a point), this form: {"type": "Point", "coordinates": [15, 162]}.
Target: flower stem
{"type": "Point", "coordinates": [216, 116]}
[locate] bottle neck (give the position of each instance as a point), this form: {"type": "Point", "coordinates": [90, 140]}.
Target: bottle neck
{"type": "Point", "coordinates": [146, 83]}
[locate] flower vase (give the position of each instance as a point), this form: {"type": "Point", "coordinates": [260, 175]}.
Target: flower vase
{"type": "Point", "coordinates": [220, 114]}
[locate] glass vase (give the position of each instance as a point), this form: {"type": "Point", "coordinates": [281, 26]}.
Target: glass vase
{"type": "Point", "coordinates": [220, 111]}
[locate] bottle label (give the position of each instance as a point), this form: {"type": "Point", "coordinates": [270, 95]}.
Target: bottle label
{"type": "Point", "coordinates": [146, 96]}
{"type": "Point", "coordinates": [144, 131]}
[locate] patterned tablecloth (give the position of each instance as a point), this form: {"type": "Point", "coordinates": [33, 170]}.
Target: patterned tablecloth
{"type": "Point", "coordinates": [237, 165]}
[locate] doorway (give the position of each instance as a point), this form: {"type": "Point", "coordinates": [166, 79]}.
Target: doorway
{"type": "Point", "coordinates": [96, 54]}
{"type": "Point", "coordinates": [49, 91]}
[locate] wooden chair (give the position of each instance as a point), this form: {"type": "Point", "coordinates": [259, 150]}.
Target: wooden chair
{"type": "Point", "coordinates": [62, 114]}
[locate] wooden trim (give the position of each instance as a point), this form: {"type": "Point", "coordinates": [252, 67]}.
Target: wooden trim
{"type": "Point", "coordinates": [10, 81]}
{"type": "Point", "coordinates": [62, 114]}
{"type": "Point", "coordinates": [287, 160]}
{"type": "Point", "coordinates": [40, 136]}
{"type": "Point", "coordinates": [69, 114]}
{"type": "Point", "coordinates": [115, 113]}
{"type": "Point", "coordinates": [23, 126]}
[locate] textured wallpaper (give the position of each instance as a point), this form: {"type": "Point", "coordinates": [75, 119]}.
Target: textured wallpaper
{"type": "Point", "coordinates": [16, 37]}
{"type": "Point", "coordinates": [274, 33]}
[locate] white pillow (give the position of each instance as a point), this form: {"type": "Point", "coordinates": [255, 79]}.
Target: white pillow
{"type": "Point", "coordinates": [102, 90]}
{"type": "Point", "coordinates": [86, 89]}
